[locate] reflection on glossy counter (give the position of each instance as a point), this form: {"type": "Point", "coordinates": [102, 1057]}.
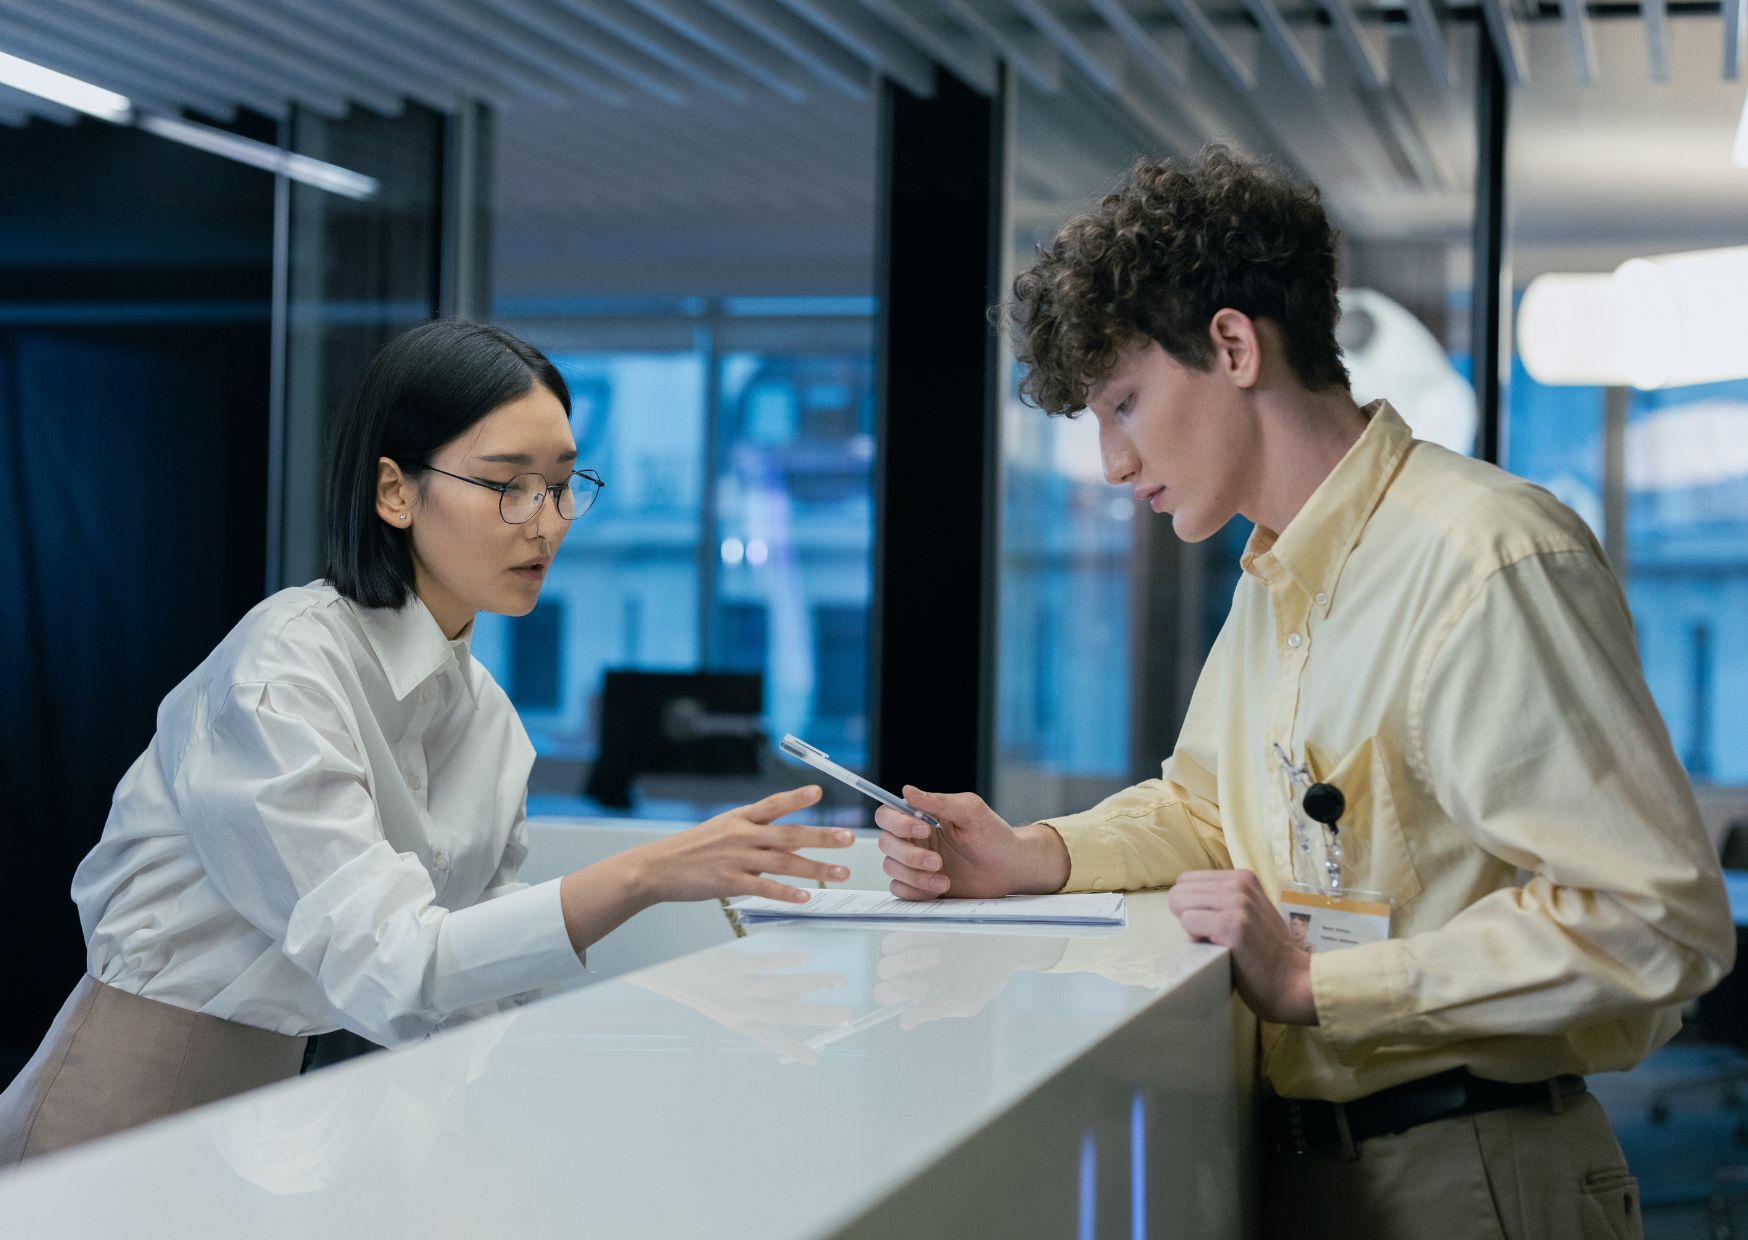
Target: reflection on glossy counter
{"type": "Point", "coordinates": [804, 1081]}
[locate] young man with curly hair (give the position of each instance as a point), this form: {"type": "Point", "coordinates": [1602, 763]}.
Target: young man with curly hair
{"type": "Point", "coordinates": [1518, 860]}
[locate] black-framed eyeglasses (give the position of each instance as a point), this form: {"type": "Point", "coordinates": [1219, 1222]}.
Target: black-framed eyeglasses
{"type": "Point", "coordinates": [521, 497]}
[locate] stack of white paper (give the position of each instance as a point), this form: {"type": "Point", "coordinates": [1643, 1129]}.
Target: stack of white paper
{"type": "Point", "coordinates": [1090, 909]}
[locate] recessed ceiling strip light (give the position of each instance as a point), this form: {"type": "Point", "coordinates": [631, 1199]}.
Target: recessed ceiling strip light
{"type": "Point", "coordinates": [71, 92]}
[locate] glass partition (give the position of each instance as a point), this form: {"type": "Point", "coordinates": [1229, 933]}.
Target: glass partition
{"type": "Point", "coordinates": [1603, 176]}
{"type": "Point", "coordinates": [1105, 616]}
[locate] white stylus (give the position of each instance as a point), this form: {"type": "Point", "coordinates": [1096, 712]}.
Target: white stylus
{"type": "Point", "coordinates": [795, 747]}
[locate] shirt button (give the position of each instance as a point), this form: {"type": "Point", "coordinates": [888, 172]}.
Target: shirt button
{"type": "Point", "coordinates": [412, 779]}
{"type": "Point", "coordinates": [441, 859]}
{"type": "Point", "coordinates": [425, 694]}
{"type": "Point", "coordinates": [1295, 641]}
{"type": "Point", "coordinates": [1322, 599]}
{"type": "Point", "coordinates": [1098, 884]}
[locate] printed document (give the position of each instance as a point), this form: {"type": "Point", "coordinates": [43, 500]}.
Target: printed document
{"type": "Point", "coordinates": [1096, 908]}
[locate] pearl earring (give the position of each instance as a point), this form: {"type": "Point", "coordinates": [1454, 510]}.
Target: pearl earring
{"type": "Point", "coordinates": [403, 516]}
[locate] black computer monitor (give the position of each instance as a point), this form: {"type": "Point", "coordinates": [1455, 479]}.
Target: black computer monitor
{"type": "Point", "coordinates": [693, 723]}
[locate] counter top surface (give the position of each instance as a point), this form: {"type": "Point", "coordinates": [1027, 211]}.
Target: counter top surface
{"type": "Point", "coordinates": [774, 1086]}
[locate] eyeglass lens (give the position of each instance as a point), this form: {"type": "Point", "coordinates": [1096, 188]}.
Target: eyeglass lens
{"type": "Point", "coordinates": [526, 492]}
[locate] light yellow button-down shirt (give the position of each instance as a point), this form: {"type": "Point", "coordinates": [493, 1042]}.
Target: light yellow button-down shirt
{"type": "Point", "coordinates": [1445, 643]}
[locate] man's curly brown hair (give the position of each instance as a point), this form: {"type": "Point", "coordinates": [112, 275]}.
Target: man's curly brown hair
{"type": "Point", "coordinates": [1176, 242]}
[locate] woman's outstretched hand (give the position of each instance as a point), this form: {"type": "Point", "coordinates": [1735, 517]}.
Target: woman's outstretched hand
{"type": "Point", "coordinates": [728, 855]}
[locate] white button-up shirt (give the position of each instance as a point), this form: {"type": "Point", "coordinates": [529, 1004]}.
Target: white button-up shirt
{"type": "Point", "coordinates": [325, 832]}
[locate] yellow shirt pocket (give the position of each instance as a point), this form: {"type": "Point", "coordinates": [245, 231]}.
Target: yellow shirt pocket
{"type": "Point", "coordinates": [1375, 854]}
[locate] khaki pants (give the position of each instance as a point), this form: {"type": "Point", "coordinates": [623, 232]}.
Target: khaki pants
{"type": "Point", "coordinates": [113, 1060]}
{"type": "Point", "coordinates": [1524, 1173]}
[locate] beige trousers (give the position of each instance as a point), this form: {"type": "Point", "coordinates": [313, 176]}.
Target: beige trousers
{"type": "Point", "coordinates": [1524, 1173]}
{"type": "Point", "coordinates": [113, 1060]}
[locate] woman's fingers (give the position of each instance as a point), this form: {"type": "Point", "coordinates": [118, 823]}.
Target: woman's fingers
{"type": "Point", "coordinates": [792, 836]}
{"type": "Point", "coordinates": [780, 803]}
{"type": "Point", "coordinates": [771, 889]}
{"type": "Point", "coordinates": [771, 862]}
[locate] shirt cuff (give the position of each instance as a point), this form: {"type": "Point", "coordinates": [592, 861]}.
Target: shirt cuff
{"type": "Point", "coordinates": [1361, 995]}
{"type": "Point", "coordinates": [503, 947]}
{"type": "Point", "coordinates": [1095, 857]}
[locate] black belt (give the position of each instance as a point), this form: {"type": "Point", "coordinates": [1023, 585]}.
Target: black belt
{"type": "Point", "coordinates": [1309, 1127]}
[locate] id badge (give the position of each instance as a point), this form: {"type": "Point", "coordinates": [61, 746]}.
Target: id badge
{"type": "Point", "coordinates": [1323, 919]}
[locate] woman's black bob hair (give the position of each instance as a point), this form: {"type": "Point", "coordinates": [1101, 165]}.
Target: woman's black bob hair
{"type": "Point", "coordinates": [426, 387]}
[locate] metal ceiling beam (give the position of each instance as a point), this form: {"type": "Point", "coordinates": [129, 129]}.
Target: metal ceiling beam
{"type": "Point", "coordinates": [571, 35]}
{"type": "Point", "coordinates": [1366, 48]}
{"type": "Point", "coordinates": [151, 55]}
{"type": "Point", "coordinates": [199, 36]}
{"type": "Point", "coordinates": [1656, 15]}
{"type": "Point", "coordinates": [534, 56]}
{"type": "Point", "coordinates": [1427, 162]}
{"type": "Point", "coordinates": [734, 43]}
{"type": "Point", "coordinates": [1423, 21]}
{"type": "Point", "coordinates": [1143, 45]}
{"type": "Point", "coordinates": [637, 29]}
{"type": "Point", "coordinates": [825, 58]}
{"type": "Point", "coordinates": [311, 27]}
{"type": "Point", "coordinates": [1580, 41]}
{"type": "Point", "coordinates": [95, 65]}
{"type": "Point", "coordinates": [1041, 67]}
{"type": "Point", "coordinates": [1215, 46]}
{"type": "Point", "coordinates": [1305, 62]}
{"type": "Point", "coordinates": [871, 39]}
{"type": "Point", "coordinates": [1507, 34]}
{"type": "Point", "coordinates": [1735, 11]}
{"type": "Point", "coordinates": [385, 22]}
{"type": "Point", "coordinates": [1104, 72]}
{"type": "Point", "coordinates": [970, 61]}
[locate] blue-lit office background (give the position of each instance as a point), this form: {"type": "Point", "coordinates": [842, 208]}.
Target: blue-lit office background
{"type": "Point", "coordinates": [686, 214]}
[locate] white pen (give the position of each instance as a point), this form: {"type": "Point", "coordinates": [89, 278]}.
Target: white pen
{"type": "Point", "coordinates": [795, 747]}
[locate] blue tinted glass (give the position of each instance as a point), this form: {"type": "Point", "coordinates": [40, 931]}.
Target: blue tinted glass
{"type": "Point", "coordinates": [745, 550]}
{"type": "Point", "coordinates": [794, 514]}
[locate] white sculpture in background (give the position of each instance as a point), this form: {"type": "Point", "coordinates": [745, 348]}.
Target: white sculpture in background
{"type": "Point", "coordinates": [1392, 354]}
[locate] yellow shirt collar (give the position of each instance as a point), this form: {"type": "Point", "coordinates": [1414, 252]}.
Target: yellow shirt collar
{"type": "Point", "coordinates": [1316, 542]}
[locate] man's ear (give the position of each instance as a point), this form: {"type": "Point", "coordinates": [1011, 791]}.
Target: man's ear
{"type": "Point", "coordinates": [1237, 347]}
{"type": "Point", "coordinates": [394, 494]}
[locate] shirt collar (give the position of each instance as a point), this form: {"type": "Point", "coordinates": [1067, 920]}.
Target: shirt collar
{"type": "Point", "coordinates": [411, 646]}
{"type": "Point", "coordinates": [1316, 542]}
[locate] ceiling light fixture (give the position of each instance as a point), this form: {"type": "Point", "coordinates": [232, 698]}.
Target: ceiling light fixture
{"type": "Point", "coordinates": [106, 105]}
{"type": "Point", "coordinates": [70, 92]}
{"type": "Point", "coordinates": [1670, 320]}
{"type": "Point", "coordinates": [331, 177]}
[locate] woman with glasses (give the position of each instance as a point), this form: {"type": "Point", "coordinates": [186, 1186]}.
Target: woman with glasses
{"type": "Point", "coordinates": [325, 830]}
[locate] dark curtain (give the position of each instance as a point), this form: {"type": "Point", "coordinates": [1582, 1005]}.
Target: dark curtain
{"type": "Point", "coordinates": [130, 479]}
{"type": "Point", "coordinates": [135, 289]}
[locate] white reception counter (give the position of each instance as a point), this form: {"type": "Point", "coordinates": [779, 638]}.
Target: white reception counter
{"type": "Point", "coordinates": [804, 1081]}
